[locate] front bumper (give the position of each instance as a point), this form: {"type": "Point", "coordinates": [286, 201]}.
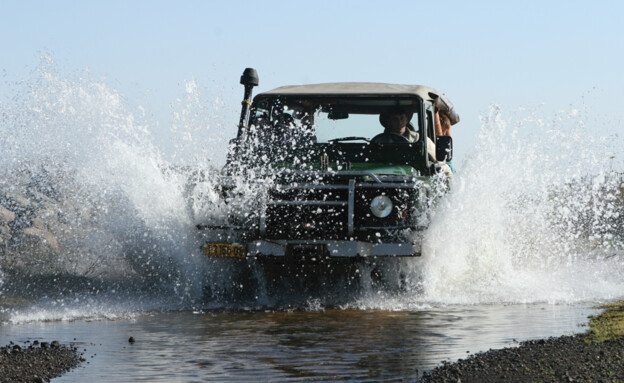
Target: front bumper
{"type": "Point", "coordinates": [339, 249]}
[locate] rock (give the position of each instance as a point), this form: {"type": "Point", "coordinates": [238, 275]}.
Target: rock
{"type": "Point", "coordinates": [55, 344]}
{"type": "Point", "coordinates": [6, 215]}
{"type": "Point", "coordinates": [41, 198]}
{"type": "Point", "coordinates": [38, 224]}
{"type": "Point", "coordinates": [21, 200]}
{"type": "Point", "coordinates": [131, 340]}
{"type": "Point", "coordinates": [43, 236]}
{"type": "Point", "coordinates": [47, 217]}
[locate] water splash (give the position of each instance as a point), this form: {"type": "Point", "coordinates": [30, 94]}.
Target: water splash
{"type": "Point", "coordinates": [107, 226]}
{"type": "Point", "coordinates": [533, 216]}
{"type": "Point", "coordinates": [96, 200]}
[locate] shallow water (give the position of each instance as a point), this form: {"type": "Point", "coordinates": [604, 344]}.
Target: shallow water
{"type": "Point", "coordinates": [327, 345]}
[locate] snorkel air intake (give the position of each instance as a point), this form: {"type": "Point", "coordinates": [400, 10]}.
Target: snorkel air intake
{"type": "Point", "coordinates": [249, 79]}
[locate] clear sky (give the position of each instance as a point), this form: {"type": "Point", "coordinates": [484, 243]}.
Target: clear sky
{"type": "Point", "coordinates": [516, 54]}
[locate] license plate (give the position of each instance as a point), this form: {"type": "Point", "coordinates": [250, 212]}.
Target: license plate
{"type": "Point", "coordinates": [225, 250]}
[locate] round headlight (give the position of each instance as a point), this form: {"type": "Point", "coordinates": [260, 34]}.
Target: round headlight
{"type": "Point", "coordinates": [381, 206]}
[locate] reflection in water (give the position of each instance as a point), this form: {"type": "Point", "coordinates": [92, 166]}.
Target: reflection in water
{"type": "Point", "coordinates": [287, 346]}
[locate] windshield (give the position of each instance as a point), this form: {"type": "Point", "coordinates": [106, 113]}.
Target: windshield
{"type": "Point", "coordinates": [333, 120]}
{"type": "Point", "coordinates": [356, 125]}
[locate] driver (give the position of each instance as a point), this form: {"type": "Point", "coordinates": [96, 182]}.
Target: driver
{"type": "Point", "coordinates": [396, 124]}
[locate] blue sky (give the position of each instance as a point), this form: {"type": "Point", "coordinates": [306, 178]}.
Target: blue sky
{"type": "Point", "coordinates": [519, 54]}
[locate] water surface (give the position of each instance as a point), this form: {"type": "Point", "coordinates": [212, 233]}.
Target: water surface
{"type": "Point", "coordinates": [360, 345]}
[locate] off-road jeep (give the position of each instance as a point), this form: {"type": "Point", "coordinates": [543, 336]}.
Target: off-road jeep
{"type": "Point", "coordinates": [306, 179]}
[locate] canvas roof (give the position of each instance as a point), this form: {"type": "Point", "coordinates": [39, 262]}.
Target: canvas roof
{"type": "Point", "coordinates": [353, 89]}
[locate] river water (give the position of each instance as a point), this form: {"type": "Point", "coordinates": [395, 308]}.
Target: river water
{"type": "Point", "coordinates": [104, 246]}
{"type": "Point", "coordinates": [327, 345]}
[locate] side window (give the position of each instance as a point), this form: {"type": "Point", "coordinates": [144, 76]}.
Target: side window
{"type": "Point", "coordinates": [430, 123]}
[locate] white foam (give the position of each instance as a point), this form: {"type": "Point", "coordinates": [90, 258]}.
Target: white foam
{"type": "Point", "coordinates": [527, 219]}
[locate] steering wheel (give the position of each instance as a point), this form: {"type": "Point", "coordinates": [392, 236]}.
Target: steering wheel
{"type": "Point", "coordinates": [390, 138]}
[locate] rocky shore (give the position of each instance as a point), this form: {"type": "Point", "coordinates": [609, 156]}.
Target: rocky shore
{"type": "Point", "coordinates": [51, 226]}
{"type": "Point", "coordinates": [596, 356]}
{"type": "Point", "coordinates": [37, 362]}
{"type": "Point", "coordinates": [563, 359]}
{"type": "Point", "coordinates": [41, 216]}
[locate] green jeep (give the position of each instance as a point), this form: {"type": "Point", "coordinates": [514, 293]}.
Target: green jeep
{"type": "Point", "coordinates": [313, 177]}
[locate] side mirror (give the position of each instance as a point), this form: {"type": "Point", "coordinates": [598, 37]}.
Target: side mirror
{"type": "Point", "coordinates": [444, 148]}
{"type": "Point", "coordinates": [335, 115]}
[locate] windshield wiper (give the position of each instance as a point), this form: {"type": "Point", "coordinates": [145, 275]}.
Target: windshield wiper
{"type": "Point", "coordinates": [354, 138]}
{"type": "Point", "coordinates": [351, 138]}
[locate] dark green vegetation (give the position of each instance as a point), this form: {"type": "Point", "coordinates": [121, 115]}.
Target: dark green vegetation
{"type": "Point", "coordinates": [596, 356]}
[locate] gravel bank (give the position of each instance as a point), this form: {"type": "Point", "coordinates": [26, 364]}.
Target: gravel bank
{"type": "Point", "coordinates": [563, 359]}
{"type": "Point", "coordinates": [36, 362]}
{"type": "Point", "coordinates": [597, 356]}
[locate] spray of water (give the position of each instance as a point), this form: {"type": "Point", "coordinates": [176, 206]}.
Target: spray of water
{"type": "Point", "coordinates": [534, 216]}
{"type": "Point", "coordinates": [106, 225]}
{"type": "Point", "coordinates": [98, 208]}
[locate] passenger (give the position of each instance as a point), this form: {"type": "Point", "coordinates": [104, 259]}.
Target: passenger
{"type": "Point", "coordinates": [443, 128]}
{"type": "Point", "coordinates": [396, 124]}
{"type": "Point", "coordinates": [442, 124]}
